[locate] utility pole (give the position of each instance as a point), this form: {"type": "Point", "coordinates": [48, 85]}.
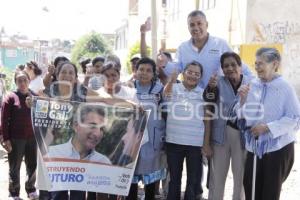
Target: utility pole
{"type": "Point", "coordinates": [197, 2]}
{"type": "Point", "coordinates": [164, 25]}
{"type": "Point", "coordinates": [230, 24]}
{"type": "Point", "coordinates": [154, 28]}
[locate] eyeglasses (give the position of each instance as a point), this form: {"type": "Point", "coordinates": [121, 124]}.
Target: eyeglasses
{"type": "Point", "coordinates": [189, 72]}
{"type": "Point", "coordinates": [262, 63]}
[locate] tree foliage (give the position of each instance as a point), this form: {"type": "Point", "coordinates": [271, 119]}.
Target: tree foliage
{"type": "Point", "coordinates": [89, 46]}
{"type": "Point", "coordinates": [9, 78]}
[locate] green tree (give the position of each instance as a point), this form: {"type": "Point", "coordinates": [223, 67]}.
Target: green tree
{"type": "Point", "coordinates": [134, 50]}
{"type": "Point", "coordinates": [89, 46]}
{"type": "Point", "coordinates": [9, 78]}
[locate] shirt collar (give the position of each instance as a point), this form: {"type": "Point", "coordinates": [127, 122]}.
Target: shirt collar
{"type": "Point", "coordinates": [75, 154]}
{"type": "Point", "coordinates": [196, 48]}
{"type": "Point", "coordinates": [275, 78]}
{"type": "Point", "coordinates": [197, 89]}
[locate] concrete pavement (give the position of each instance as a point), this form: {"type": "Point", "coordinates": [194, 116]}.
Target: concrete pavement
{"type": "Point", "coordinates": [290, 190]}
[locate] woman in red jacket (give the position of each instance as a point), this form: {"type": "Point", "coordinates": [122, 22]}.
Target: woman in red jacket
{"type": "Point", "coordinates": [18, 137]}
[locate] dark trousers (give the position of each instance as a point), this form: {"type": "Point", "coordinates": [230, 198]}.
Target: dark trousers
{"type": "Point", "coordinates": [73, 195]}
{"type": "Point", "coordinates": [44, 195]}
{"type": "Point", "coordinates": [175, 157]}
{"type": "Point", "coordinates": [271, 171]}
{"type": "Point", "coordinates": [22, 148]}
{"type": "Point", "coordinates": [149, 192]}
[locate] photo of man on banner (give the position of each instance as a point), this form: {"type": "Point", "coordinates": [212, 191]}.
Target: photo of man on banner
{"type": "Point", "coordinates": [88, 126]}
{"type": "Point", "coordinates": [86, 146]}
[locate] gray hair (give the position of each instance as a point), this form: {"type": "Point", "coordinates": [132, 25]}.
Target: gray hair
{"type": "Point", "coordinates": [197, 13]}
{"type": "Point", "coordinates": [83, 110]}
{"type": "Point", "coordinates": [271, 54]}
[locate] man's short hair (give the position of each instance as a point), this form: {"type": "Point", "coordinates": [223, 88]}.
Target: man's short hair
{"type": "Point", "coordinates": [197, 13]}
{"type": "Point", "coordinates": [83, 111]}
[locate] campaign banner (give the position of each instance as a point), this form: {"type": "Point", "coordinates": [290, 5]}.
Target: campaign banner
{"type": "Point", "coordinates": [86, 146]}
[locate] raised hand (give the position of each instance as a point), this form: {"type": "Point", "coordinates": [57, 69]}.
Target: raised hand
{"type": "Point", "coordinates": [143, 28]}
{"type": "Point", "coordinates": [243, 92]}
{"type": "Point", "coordinates": [174, 76]}
{"type": "Point", "coordinates": [161, 60]}
{"type": "Point", "coordinates": [89, 72]}
{"type": "Point", "coordinates": [213, 81]}
{"type": "Point", "coordinates": [51, 69]}
{"type": "Point", "coordinates": [28, 101]}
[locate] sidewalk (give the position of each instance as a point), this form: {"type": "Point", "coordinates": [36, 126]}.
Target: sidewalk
{"type": "Point", "coordinates": [290, 190]}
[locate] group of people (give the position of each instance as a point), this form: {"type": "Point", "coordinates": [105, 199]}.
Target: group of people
{"type": "Point", "coordinates": [219, 109]}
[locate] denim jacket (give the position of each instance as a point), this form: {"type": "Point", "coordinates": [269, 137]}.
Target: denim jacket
{"type": "Point", "coordinates": [225, 101]}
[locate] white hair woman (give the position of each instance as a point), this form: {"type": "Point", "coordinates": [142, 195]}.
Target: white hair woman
{"type": "Point", "coordinates": [270, 130]}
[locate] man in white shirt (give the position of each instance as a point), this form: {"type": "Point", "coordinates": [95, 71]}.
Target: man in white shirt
{"type": "Point", "coordinates": [201, 47]}
{"type": "Point", "coordinates": [88, 126]}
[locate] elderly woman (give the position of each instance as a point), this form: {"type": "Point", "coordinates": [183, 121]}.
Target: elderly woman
{"type": "Point", "coordinates": [185, 131]}
{"type": "Point", "coordinates": [226, 138]}
{"type": "Point", "coordinates": [270, 130]}
{"type": "Point", "coordinates": [227, 145]}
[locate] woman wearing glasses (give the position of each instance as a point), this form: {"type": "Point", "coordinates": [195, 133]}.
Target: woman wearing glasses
{"type": "Point", "coordinates": [271, 130]}
{"type": "Point", "coordinates": [185, 131]}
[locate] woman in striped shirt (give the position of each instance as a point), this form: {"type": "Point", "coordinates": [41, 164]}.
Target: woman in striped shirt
{"type": "Point", "coordinates": [185, 131]}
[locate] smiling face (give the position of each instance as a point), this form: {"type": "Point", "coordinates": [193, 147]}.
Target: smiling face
{"type": "Point", "coordinates": [192, 75]}
{"type": "Point", "coordinates": [112, 77]}
{"type": "Point", "coordinates": [198, 27]}
{"type": "Point", "coordinates": [231, 68]}
{"type": "Point", "coordinates": [67, 73]}
{"type": "Point", "coordinates": [145, 73]}
{"type": "Point", "coordinates": [88, 132]}
{"type": "Point", "coordinates": [265, 70]}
